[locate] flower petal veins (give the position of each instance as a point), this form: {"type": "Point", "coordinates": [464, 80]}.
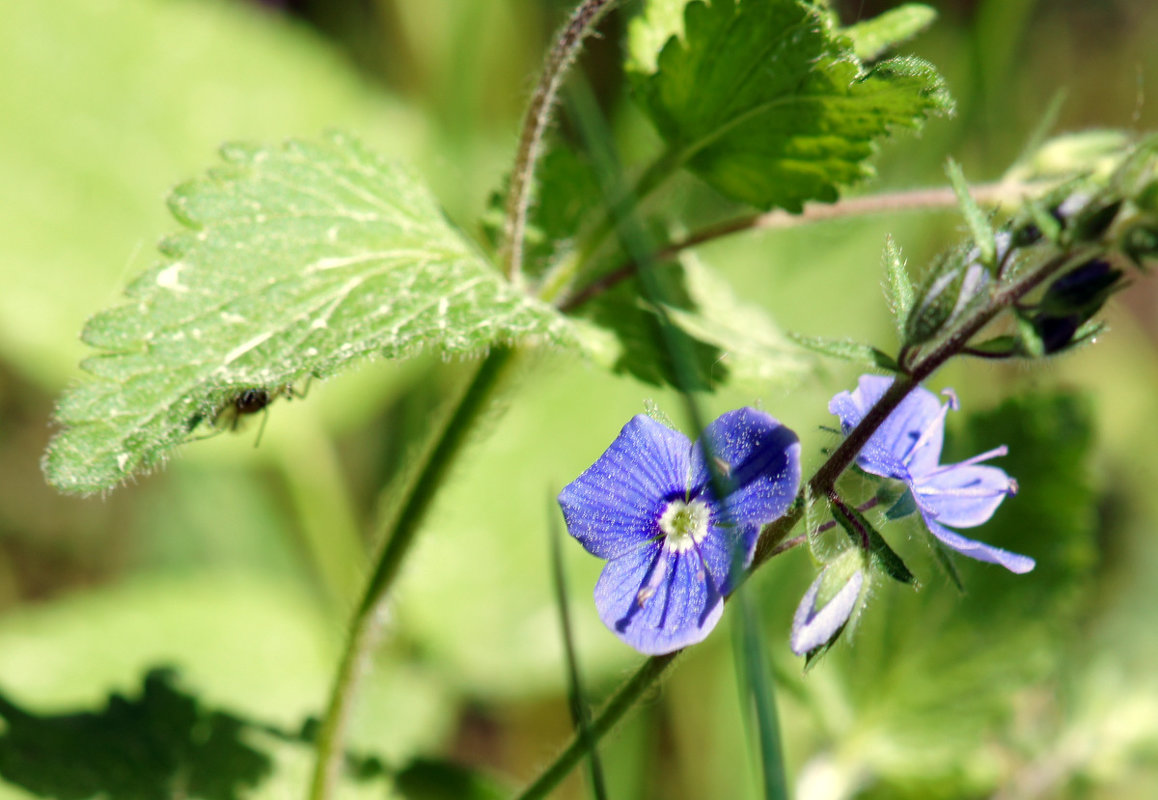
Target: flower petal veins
{"type": "Point", "coordinates": [675, 549]}
{"type": "Point", "coordinates": [907, 447]}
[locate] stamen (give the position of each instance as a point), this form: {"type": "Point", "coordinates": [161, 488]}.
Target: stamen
{"type": "Point", "coordinates": [927, 433]}
{"type": "Point", "coordinates": [977, 459]}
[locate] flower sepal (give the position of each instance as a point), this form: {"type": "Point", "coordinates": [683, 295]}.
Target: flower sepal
{"type": "Point", "coordinates": [880, 557]}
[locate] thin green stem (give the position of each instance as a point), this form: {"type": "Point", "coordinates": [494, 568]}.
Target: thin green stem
{"type": "Point", "coordinates": [909, 200]}
{"type": "Point", "coordinates": [367, 621]}
{"type": "Point", "coordinates": [538, 117]}
{"type": "Point", "coordinates": [577, 700]}
{"type": "Point", "coordinates": [616, 707]}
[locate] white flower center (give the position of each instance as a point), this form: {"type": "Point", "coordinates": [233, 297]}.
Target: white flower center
{"type": "Point", "coordinates": [684, 524]}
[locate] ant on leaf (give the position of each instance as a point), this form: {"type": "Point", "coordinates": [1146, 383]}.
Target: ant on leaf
{"type": "Point", "coordinates": [231, 414]}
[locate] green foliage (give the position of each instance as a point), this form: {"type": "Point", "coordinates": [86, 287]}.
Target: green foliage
{"type": "Point", "coordinates": [766, 102]}
{"type": "Point", "coordinates": [727, 338]}
{"type": "Point", "coordinates": [298, 261]}
{"type": "Point", "coordinates": [945, 292]}
{"type": "Point", "coordinates": [160, 745]}
{"type": "Point", "coordinates": [566, 191]}
{"type": "Point", "coordinates": [753, 672]}
{"type": "Point", "coordinates": [977, 220]}
{"type": "Point", "coordinates": [858, 353]}
{"type": "Point", "coordinates": [427, 779]}
{"type": "Point", "coordinates": [874, 37]}
{"type": "Point", "coordinates": [1054, 515]}
{"type": "Point", "coordinates": [899, 291]}
{"type": "Point", "coordinates": [881, 558]}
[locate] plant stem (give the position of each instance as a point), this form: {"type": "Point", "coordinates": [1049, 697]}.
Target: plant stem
{"type": "Point", "coordinates": [535, 124]}
{"type": "Point", "coordinates": [871, 503]}
{"type": "Point", "coordinates": [910, 200]}
{"type": "Point", "coordinates": [773, 538]}
{"type": "Point", "coordinates": [616, 707]}
{"type": "Point", "coordinates": [368, 619]}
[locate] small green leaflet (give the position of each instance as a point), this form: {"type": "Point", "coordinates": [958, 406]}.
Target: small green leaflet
{"type": "Point", "coordinates": [899, 289]}
{"type": "Point", "coordinates": [727, 339]}
{"type": "Point", "coordinates": [297, 261]}
{"type": "Point", "coordinates": [765, 101]}
{"type": "Point", "coordinates": [847, 350]}
{"type": "Point", "coordinates": [977, 219]}
{"type": "Point", "coordinates": [876, 36]}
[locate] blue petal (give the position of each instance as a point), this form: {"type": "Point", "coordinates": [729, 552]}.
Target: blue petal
{"type": "Point", "coordinates": [814, 627]}
{"type": "Point", "coordinates": [963, 495]}
{"type": "Point", "coordinates": [1013, 562]}
{"type": "Point", "coordinates": [679, 608]}
{"type": "Point", "coordinates": [760, 461]}
{"type": "Point", "coordinates": [908, 443]}
{"type": "Point", "coordinates": [614, 506]}
{"type": "Point", "coordinates": [726, 552]}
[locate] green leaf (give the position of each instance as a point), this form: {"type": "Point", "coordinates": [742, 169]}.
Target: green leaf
{"type": "Point", "coordinates": [882, 558]}
{"type": "Point", "coordinates": [975, 218]}
{"type": "Point", "coordinates": [154, 86]}
{"type": "Point", "coordinates": [641, 350]}
{"type": "Point", "coordinates": [899, 291]}
{"type": "Point", "coordinates": [428, 779]}
{"type": "Point", "coordinates": [765, 102]}
{"type": "Point", "coordinates": [847, 351]}
{"type": "Point", "coordinates": [874, 37]}
{"type": "Point", "coordinates": [297, 261]}
{"type": "Point", "coordinates": [728, 339]}
{"type": "Point", "coordinates": [160, 744]}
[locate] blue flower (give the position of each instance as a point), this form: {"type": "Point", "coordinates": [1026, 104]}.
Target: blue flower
{"type": "Point", "coordinates": [907, 447]}
{"type": "Point", "coordinates": [674, 549]}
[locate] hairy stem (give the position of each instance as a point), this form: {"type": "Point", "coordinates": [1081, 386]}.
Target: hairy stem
{"type": "Point", "coordinates": [774, 537]}
{"type": "Point", "coordinates": [368, 619]}
{"type": "Point", "coordinates": [910, 200]}
{"type": "Point", "coordinates": [535, 124]}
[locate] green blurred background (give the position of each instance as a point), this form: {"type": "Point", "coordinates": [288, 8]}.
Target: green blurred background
{"type": "Point", "coordinates": [238, 566]}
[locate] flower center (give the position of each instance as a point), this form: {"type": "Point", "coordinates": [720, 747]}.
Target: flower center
{"type": "Point", "coordinates": [684, 524]}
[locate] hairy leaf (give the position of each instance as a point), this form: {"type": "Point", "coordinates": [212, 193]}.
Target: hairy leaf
{"type": "Point", "coordinates": [766, 102]}
{"type": "Point", "coordinates": [297, 261]}
{"type": "Point", "coordinates": [882, 558]}
{"type": "Point", "coordinates": [899, 290]}
{"type": "Point", "coordinates": [846, 350]}
{"type": "Point", "coordinates": [977, 219]}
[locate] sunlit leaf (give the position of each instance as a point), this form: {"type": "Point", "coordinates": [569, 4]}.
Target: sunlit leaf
{"type": "Point", "coordinates": [766, 102]}
{"type": "Point", "coordinates": [298, 260]}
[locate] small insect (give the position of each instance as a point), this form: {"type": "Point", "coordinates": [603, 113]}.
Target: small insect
{"type": "Point", "coordinates": [231, 414]}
